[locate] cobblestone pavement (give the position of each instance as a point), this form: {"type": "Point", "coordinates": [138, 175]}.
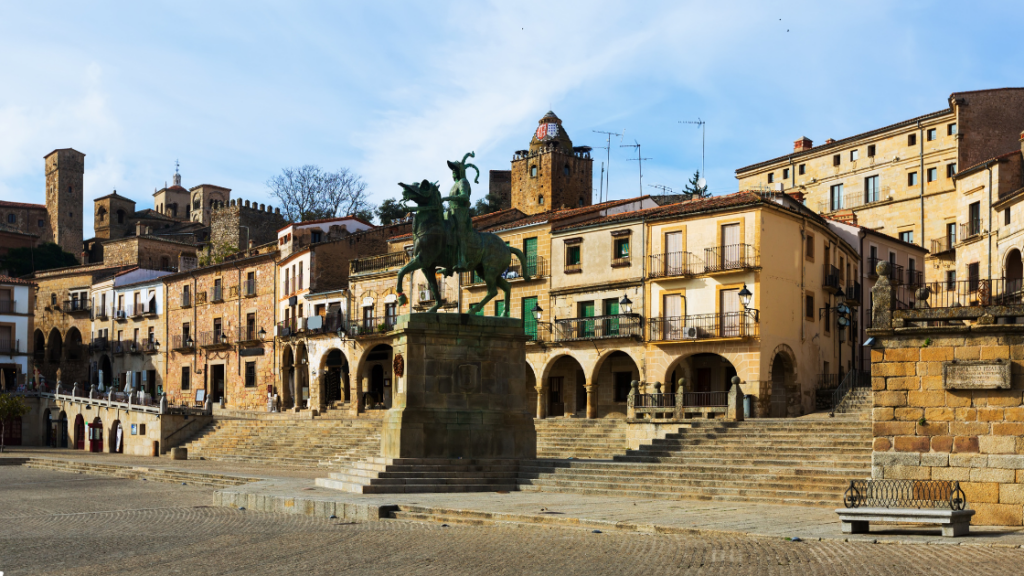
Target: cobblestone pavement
{"type": "Point", "coordinates": [59, 523]}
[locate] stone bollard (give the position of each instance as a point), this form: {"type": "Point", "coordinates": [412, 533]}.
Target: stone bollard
{"type": "Point", "coordinates": [734, 409]}
{"type": "Point", "coordinates": [163, 404]}
{"type": "Point", "coordinates": [74, 390]}
{"type": "Point", "coordinates": [631, 399]}
{"type": "Point", "coordinates": [680, 398]}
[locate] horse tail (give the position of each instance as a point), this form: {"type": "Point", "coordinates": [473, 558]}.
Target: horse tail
{"type": "Point", "coordinates": [522, 260]}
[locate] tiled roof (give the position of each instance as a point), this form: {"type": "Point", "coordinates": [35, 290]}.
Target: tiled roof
{"type": "Point", "coordinates": [559, 215]}
{"type": "Point", "coordinates": [844, 141]}
{"type": "Point", "coordinates": [982, 164]}
{"type": "Point", "coordinates": [325, 220]}
{"type": "Point", "coordinates": [689, 207]}
{"type": "Point", "coordinates": [114, 194]}
{"type": "Point", "coordinates": [9, 280]}
{"type": "Point", "coordinates": [6, 204]}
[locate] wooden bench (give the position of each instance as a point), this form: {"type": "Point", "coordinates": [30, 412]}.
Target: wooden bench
{"type": "Point", "coordinates": [919, 501]}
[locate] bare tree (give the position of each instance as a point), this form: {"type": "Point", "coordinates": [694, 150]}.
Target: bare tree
{"type": "Point", "coordinates": [311, 193]}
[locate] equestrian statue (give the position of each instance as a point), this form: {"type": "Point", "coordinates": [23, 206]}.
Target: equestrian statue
{"type": "Point", "coordinates": [445, 239]}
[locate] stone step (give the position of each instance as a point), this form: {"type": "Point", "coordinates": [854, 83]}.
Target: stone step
{"type": "Point", "coordinates": [792, 498]}
{"type": "Point", "coordinates": [412, 489]}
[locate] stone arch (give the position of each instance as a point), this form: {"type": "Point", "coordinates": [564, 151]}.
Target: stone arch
{"type": "Point", "coordinates": [97, 424]}
{"type": "Point", "coordinates": [610, 382]}
{"type": "Point", "coordinates": [106, 373]}
{"type": "Point", "coordinates": [39, 343]}
{"type": "Point", "coordinates": [531, 390]}
{"type": "Point", "coordinates": [287, 377]}
{"type": "Point", "coordinates": [703, 373]}
{"type": "Point", "coordinates": [61, 439]}
{"type": "Point", "coordinates": [558, 395]}
{"type": "Point", "coordinates": [785, 392]}
{"type": "Point", "coordinates": [334, 377]}
{"type": "Point", "coordinates": [301, 375]}
{"type": "Point", "coordinates": [54, 346]}
{"type": "Point", "coordinates": [114, 448]}
{"type": "Point", "coordinates": [1013, 271]}
{"type": "Point", "coordinates": [73, 345]}
{"type": "Point", "coordinates": [787, 353]}
{"type": "Point", "coordinates": [79, 432]}
{"type": "Point", "coordinates": [379, 355]}
{"type": "Point", "coordinates": [102, 214]}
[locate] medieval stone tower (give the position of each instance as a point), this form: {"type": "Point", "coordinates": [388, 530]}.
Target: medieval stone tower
{"type": "Point", "coordinates": [65, 172]}
{"type": "Point", "coordinates": [552, 174]}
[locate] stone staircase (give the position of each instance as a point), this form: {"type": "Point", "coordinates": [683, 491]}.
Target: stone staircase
{"type": "Point", "coordinates": [412, 475]}
{"type": "Point", "coordinates": [779, 461]}
{"type": "Point", "coordinates": [580, 438]}
{"type": "Point", "coordinates": [139, 473]}
{"type": "Point", "coordinates": [857, 401]}
{"type": "Point", "coordinates": [288, 442]}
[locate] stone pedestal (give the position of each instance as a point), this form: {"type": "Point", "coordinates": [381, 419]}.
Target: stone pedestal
{"type": "Point", "coordinates": [462, 392]}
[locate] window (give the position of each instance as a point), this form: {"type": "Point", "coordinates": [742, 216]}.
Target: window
{"type": "Point", "coordinates": [217, 329]}
{"type": "Point", "coordinates": [566, 170]}
{"type": "Point", "coordinates": [836, 160]}
{"type": "Point", "coordinates": [871, 150]}
{"type": "Point", "coordinates": [391, 313]}
{"type": "Point", "coordinates": [871, 189]}
{"type": "Point", "coordinates": [951, 280]}
{"type": "Point", "coordinates": [250, 326]}
{"type": "Point", "coordinates": [40, 224]}
{"type": "Point", "coordinates": [973, 276]}
{"type": "Point", "coordinates": [185, 331]}
{"type": "Point", "coordinates": [533, 171]}
{"type": "Point", "coordinates": [540, 200]}
{"type": "Point", "coordinates": [185, 384]}
{"type": "Point", "coordinates": [12, 219]}
{"type": "Point", "coordinates": [931, 134]}
{"type": "Point", "coordinates": [912, 179]}
{"type": "Point", "coordinates": [368, 317]}
{"type": "Point", "coordinates": [932, 174]}
{"type": "Point", "coordinates": [250, 374]}
{"type": "Point", "coordinates": [974, 219]}
{"type": "Point", "coordinates": [314, 236]}
{"type": "Point", "coordinates": [802, 169]}
{"type": "Point", "coordinates": [771, 177]}
{"type": "Point", "coordinates": [151, 336]}
{"type": "Point", "coordinates": [572, 256]}
{"type": "Point", "coordinates": [1006, 217]}
{"type": "Point", "coordinates": [300, 275]}
{"type": "Point", "coordinates": [809, 241]}
{"type": "Point", "coordinates": [785, 173]}
{"type": "Point", "coordinates": [911, 139]}
{"type": "Point", "coordinates": [951, 129]}
{"type": "Point", "coordinates": [835, 197]}
{"type": "Point", "coordinates": [854, 155]}
{"type": "Point", "coordinates": [621, 249]}
{"type": "Point", "coordinates": [951, 234]}
{"type": "Point", "coordinates": [809, 306]}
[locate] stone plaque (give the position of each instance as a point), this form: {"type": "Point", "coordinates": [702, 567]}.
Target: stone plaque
{"type": "Point", "coordinates": [975, 375]}
{"type": "Point", "coordinates": [468, 378]}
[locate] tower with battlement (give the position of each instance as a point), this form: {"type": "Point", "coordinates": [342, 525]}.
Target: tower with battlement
{"type": "Point", "coordinates": [236, 224]}
{"type": "Point", "coordinates": [553, 174]}
{"type": "Point", "coordinates": [65, 175]}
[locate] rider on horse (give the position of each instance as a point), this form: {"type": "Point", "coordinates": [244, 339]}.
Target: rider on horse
{"type": "Point", "coordinates": [458, 215]}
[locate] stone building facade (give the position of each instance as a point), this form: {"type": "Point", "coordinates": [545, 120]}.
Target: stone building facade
{"type": "Point", "coordinates": [17, 325]}
{"type": "Point", "coordinates": [552, 174]}
{"type": "Point", "coordinates": [240, 224]}
{"type": "Point", "coordinates": [28, 219]}
{"type": "Point", "coordinates": [65, 175]}
{"type": "Point", "coordinates": [220, 320]}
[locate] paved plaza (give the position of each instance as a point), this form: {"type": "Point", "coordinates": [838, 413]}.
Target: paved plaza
{"type": "Point", "coordinates": [60, 523]}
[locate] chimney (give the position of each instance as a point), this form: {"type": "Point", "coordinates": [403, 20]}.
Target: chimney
{"type": "Point", "coordinates": [797, 195]}
{"type": "Point", "coordinates": [830, 141]}
{"type": "Point", "coordinates": [803, 143]}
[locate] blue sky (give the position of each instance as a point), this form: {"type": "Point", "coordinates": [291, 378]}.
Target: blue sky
{"type": "Point", "coordinates": [237, 91]}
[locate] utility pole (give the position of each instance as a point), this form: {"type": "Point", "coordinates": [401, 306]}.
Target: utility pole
{"type": "Point", "coordinates": [640, 162]}
{"type": "Point", "coordinates": [700, 123]}
{"type": "Point", "coordinates": [608, 148]}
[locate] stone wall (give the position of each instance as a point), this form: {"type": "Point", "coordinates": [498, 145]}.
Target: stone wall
{"type": "Point", "coordinates": [238, 222]}
{"type": "Point", "coordinates": [145, 251]}
{"type": "Point", "coordinates": [558, 188]}
{"type": "Point", "coordinates": [28, 219]}
{"type": "Point", "coordinates": [929, 423]}
{"type": "Point", "coordinates": [499, 185]}
{"type": "Point", "coordinates": [65, 170]}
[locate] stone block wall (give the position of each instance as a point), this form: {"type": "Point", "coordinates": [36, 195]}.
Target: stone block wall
{"type": "Point", "coordinates": [238, 222]}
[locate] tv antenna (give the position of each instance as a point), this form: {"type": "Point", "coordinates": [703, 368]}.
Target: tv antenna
{"type": "Point", "coordinates": [664, 189]}
{"type": "Point", "coordinates": [640, 162]}
{"type": "Point", "coordinates": [608, 147]}
{"type": "Point", "coordinates": [700, 123]}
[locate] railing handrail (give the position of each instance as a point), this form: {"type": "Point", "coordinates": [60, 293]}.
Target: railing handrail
{"type": "Point", "coordinates": [705, 326]}
{"type": "Point", "coordinates": [598, 327]}
{"type": "Point", "coordinates": [729, 257]}
{"type": "Point", "coordinates": [850, 380]}
{"type": "Point", "coordinates": [379, 263]}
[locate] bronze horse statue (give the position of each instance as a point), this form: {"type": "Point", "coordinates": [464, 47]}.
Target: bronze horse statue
{"type": "Point", "coordinates": [433, 236]}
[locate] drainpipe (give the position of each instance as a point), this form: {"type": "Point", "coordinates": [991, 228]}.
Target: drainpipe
{"type": "Point", "coordinates": [989, 168]}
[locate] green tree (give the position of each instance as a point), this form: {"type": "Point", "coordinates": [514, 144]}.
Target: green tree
{"type": "Point", "coordinates": [693, 188]}
{"type": "Point", "coordinates": [22, 261]}
{"type": "Point", "coordinates": [486, 205]}
{"type": "Point", "coordinates": [11, 408]}
{"type": "Point", "coordinates": [391, 211]}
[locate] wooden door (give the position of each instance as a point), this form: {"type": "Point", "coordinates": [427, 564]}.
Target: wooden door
{"type": "Point", "coordinates": [732, 251]}
{"type": "Point", "coordinates": [732, 311]}
{"type": "Point", "coordinates": [672, 314]}
{"type": "Point", "coordinates": [673, 262]}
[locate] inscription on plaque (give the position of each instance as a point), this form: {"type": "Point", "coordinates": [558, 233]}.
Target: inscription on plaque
{"type": "Point", "coordinates": [975, 375]}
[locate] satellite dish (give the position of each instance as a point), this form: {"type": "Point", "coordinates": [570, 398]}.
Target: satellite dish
{"type": "Point", "coordinates": [701, 182]}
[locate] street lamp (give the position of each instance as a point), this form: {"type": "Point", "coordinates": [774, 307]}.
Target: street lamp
{"type": "Point", "coordinates": [537, 311]}
{"type": "Point", "coordinates": [625, 305]}
{"type": "Point", "coordinates": [189, 342]}
{"type": "Point", "coordinates": [745, 296]}
{"type": "Point", "coordinates": [262, 333]}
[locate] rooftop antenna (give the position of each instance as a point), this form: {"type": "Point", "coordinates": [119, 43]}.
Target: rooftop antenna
{"type": "Point", "coordinates": [640, 162]}
{"type": "Point", "coordinates": [608, 147]}
{"type": "Point", "coordinates": [703, 181]}
{"type": "Point", "coordinates": [176, 166]}
{"type": "Point", "coordinates": [664, 189]}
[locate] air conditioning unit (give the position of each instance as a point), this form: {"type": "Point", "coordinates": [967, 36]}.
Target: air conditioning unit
{"type": "Point", "coordinates": [426, 296]}
{"type": "Point", "coordinates": [689, 332]}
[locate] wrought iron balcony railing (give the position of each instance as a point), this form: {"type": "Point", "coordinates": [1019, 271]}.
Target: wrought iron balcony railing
{"type": "Point", "coordinates": [970, 229]}
{"type": "Point", "coordinates": [535, 267]}
{"type": "Point", "coordinates": [379, 263]}
{"type": "Point", "coordinates": [730, 257]}
{"type": "Point", "coordinates": [181, 342]}
{"type": "Point", "coordinates": [9, 347]}
{"type": "Point", "coordinates": [599, 327]}
{"type": "Point", "coordinates": [829, 278]}
{"type": "Point", "coordinates": [703, 327]}
{"type": "Point", "coordinates": [368, 326]}
{"type": "Point", "coordinates": [674, 264]}
{"type": "Point", "coordinates": [214, 339]}
{"type": "Point", "coordinates": [941, 245]}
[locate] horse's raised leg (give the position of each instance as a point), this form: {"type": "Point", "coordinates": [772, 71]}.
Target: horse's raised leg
{"type": "Point", "coordinates": [492, 290]}
{"type": "Point", "coordinates": [413, 265]}
{"type": "Point", "coordinates": [431, 274]}
{"type": "Point", "coordinates": [504, 285]}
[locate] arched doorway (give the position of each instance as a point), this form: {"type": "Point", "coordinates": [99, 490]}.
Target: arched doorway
{"type": "Point", "coordinates": [707, 377]}
{"type": "Point", "coordinates": [287, 379]}
{"type": "Point", "coordinates": [611, 383]}
{"type": "Point", "coordinates": [1014, 272]}
{"type": "Point", "coordinates": [61, 436]}
{"type": "Point", "coordinates": [301, 376]}
{"type": "Point", "coordinates": [106, 372]}
{"type": "Point", "coordinates": [377, 383]}
{"type": "Point", "coordinates": [54, 346]}
{"type": "Point", "coordinates": [562, 394]}
{"type": "Point", "coordinates": [96, 435]}
{"type": "Point", "coordinates": [335, 378]}
{"type": "Point", "coordinates": [73, 345]}
{"type": "Point", "coordinates": [377, 368]}
{"type": "Point", "coordinates": [116, 438]}
{"type": "Point", "coordinates": [780, 396]}
{"type": "Point", "coordinates": [39, 344]}
{"type": "Point", "coordinates": [79, 432]}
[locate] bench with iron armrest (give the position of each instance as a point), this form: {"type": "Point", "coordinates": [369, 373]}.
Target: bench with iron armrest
{"type": "Point", "coordinates": [920, 501]}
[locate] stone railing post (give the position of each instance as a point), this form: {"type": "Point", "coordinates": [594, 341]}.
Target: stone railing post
{"type": "Point", "coordinates": [208, 405]}
{"type": "Point", "coordinates": [631, 399]}
{"type": "Point", "coordinates": [680, 397]}
{"type": "Point", "coordinates": [734, 410]}
{"type": "Point", "coordinates": [882, 299]}
{"type": "Point", "coordinates": [74, 390]}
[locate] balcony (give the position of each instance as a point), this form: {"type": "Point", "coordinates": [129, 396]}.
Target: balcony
{"type": "Point", "coordinates": [853, 294]}
{"type": "Point", "coordinates": [133, 347]}
{"type": "Point", "coordinates": [536, 267]}
{"type": "Point", "coordinates": [99, 345]}
{"type": "Point", "coordinates": [830, 278]}
{"type": "Point", "coordinates": [674, 264]}
{"type": "Point", "coordinates": [9, 347]}
{"type": "Point", "coordinates": [915, 278]}
{"type": "Point", "coordinates": [181, 343]}
{"type": "Point", "coordinates": [137, 310]}
{"type": "Point", "coordinates": [149, 308]}
{"type": "Point", "coordinates": [599, 327]}
{"type": "Point", "coordinates": [77, 306]}
{"type": "Point", "coordinates": [285, 328]}
{"type": "Point", "coordinates": [970, 229]}
{"type": "Point", "coordinates": [122, 314]}
{"type": "Point", "coordinates": [248, 335]}
{"type": "Point", "coordinates": [149, 346]}
{"type": "Point", "coordinates": [703, 327]}
{"type": "Point", "coordinates": [100, 313]}
{"type": "Point", "coordinates": [214, 339]}
{"type": "Point", "coordinates": [943, 245]}
{"type": "Point", "coordinates": [217, 294]}
{"type": "Point", "coordinates": [620, 262]}
{"type": "Point", "coordinates": [249, 288]}
{"type": "Point", "coordinates": [119, 347]}
{"type": "Point", "coordinates": [369, 326]}
{"type": "Point", "coordinates": [186, 300]}
{"type": "Point", "coordinates": [379, 263]}
{"type": "Point", "coordinates": [730, 257]}
{"type": "Point", "coordinates": [8, 306]}
{"type": "Point", "coordinates": [539, 332]}
{"type": "Point", "coordinates": [574, 268]}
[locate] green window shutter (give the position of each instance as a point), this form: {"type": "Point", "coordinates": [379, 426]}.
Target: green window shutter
{"type": "Point", "coordinates": [530, 250]}
{"type": "Point", "coordinates": [499, 307]}
{"type": "Point", "coordinates": [611, 325]}
{"type": "Point", "coordinates": [611, 307]}
{"type": "Point", "coordinates": [529, 322]}
{"type": "Point", "coordinates": [623, 248]}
